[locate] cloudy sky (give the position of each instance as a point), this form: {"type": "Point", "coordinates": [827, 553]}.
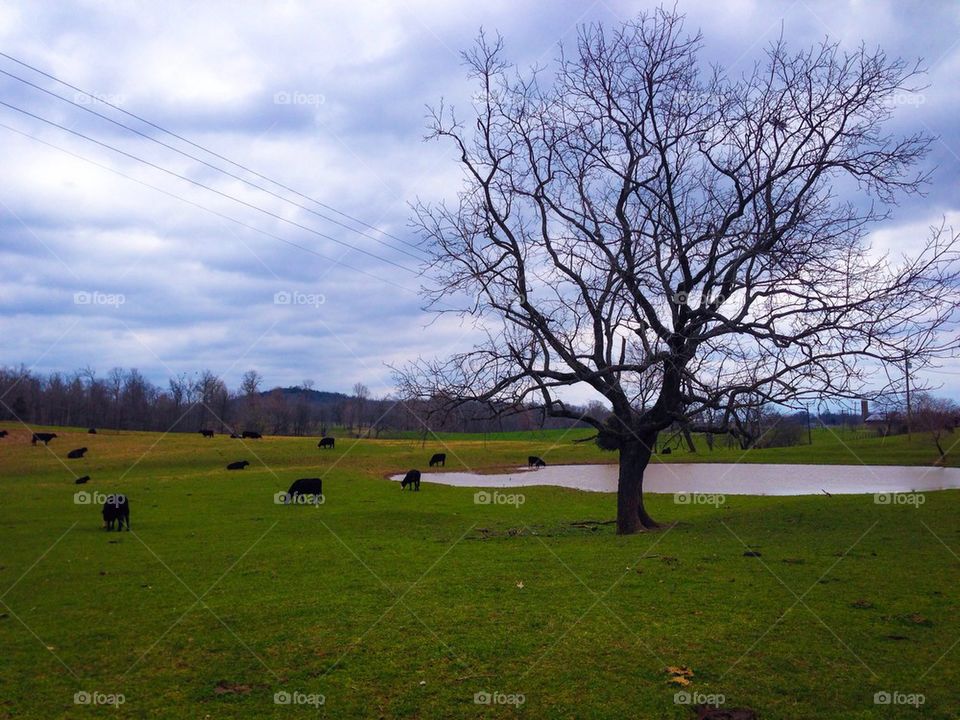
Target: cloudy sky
{"type": "Point", "coordinates": [107, 261]}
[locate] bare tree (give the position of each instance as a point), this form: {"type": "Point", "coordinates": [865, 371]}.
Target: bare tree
{"type": "Point", "coordinates": [938, 417]}
{"type": "Point", "coordinates": [360, 394]}
{"type": "Point", "coordinates": [679, 241]}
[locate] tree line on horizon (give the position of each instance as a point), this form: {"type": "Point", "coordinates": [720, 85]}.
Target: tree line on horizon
{"type": "Point", "coordinates": [124, 399]}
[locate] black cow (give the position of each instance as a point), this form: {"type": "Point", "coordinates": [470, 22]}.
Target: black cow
{"type": "Point", "coordinates": [666, 451]}
{"type": "Point", "coordinates": [234, 436]}
{"type": "Point", "coordinates": [78, 453]}
{"type": "Point", "coordinates": [3, 433]}
{"type": "Point", "coordinates": [116, 509]}
{"type": "Point", "coordinates": [307, 488]}
{"type": "Point", "coordinates": [326, 443]}
{"type": "Point", "coordinates": [42, 437]}
{"type": "Point", "coordinates": [438, 459]}
{"type": "Point", "coordinates": [412, 479]}
{"type": "Point", "coordinates": [81, 480]}
{"type": "Point", "coordinates": [252, 435]}
{"type": "Point", "coordinates": [534, 461]}
{"type": "Point", "coordinates": [239, 465]}
{"type": "Point", "coordinates": [92, 431]}
{"type": "Point", "coordinates": [206, 433]}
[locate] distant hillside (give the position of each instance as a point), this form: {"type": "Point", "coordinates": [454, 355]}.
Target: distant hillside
{"type": "Point", "coordinates": [321, 397]}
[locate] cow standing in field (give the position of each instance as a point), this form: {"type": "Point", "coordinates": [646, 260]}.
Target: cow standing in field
{"type": "Point", "coordinates": [534, 461]}
{"type": "Point", "coordinates": [251, 435]}
{"type": "Point", "coordinates": [42, 437]}
{"type": "Point", "coordinates": [116, 509]}
{"type": "Point", "coordinates": [92, 431]}
{"type": "Point", "coordinates": [412, 480]}
{"type": "Point", "coordinates": [206, 433]}
{"type": "Point", "coordinates": [327, 442]}
{"type": "Point", "coordinates": [310, 489]}
{"type": "Point", "coordinates": [438, 459]}
{"type": "Point", "coordinates": [78, 453]}
{"type": "Point", "coordinates": [239, 465]}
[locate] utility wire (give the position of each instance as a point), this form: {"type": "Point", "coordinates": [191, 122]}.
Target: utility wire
{"type": "Point", "coordinates": [201, 147]}
{"type": "Point", "coordinates": [201, 207]}
{"type": "Point", "coordinates": [204, 162]}
{"type": "Point", "coordinates": [202, 185]}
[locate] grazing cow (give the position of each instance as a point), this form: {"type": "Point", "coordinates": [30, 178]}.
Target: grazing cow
{"type": "Point", "coordinates": [3, 433]}
{"type": "Point", "coordinates": [534, 461]}
{"type": "Point", "coordinates": [82, 480]}
{"type": "Point", "coordinates": [206, 433]}
{"type": "Point", "coordinates": [92, 431]}
{"type": "Point", "coordinates": [239, 465]}
{"type": "Point", "coordinates": [306, 488]}
{"type": "Point", "coordinates": [412, 479]}
{"type": "Point", "coordinates": [116, 509]}
{"type": "Point", "coordinates": [252, 435]}
{"type": "Point", "coordinates": [78, 453]}
{"type": "Point", "coordinates": [42, 437]}
{"type": "Point", "coordinates": [438, 459]}
{"type": "Point", "coordinates": [326, 443]}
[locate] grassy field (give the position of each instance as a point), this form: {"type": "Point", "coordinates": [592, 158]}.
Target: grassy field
{"type": "Point", "coordinates": [394, 604]}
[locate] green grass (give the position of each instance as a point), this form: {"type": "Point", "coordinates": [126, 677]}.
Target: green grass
{"type": "Point", "coordinates": [395, 604]}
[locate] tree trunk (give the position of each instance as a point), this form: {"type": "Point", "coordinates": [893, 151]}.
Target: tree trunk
{"type": "Point", "coordinates": [634, 457]}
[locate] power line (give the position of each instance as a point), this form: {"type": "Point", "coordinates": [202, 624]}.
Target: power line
{"type": "Point", "coordinates": [207, 164]}
{"type": "Point", "coordinates": [202, 185]}
{"type": "Point", "coordinates": [201, 207]}
{"type": "Point", "coordinates": [201, 147]}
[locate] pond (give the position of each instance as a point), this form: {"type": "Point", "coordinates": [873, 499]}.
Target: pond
{"type": "Point", "coordinates": [726, 478]}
